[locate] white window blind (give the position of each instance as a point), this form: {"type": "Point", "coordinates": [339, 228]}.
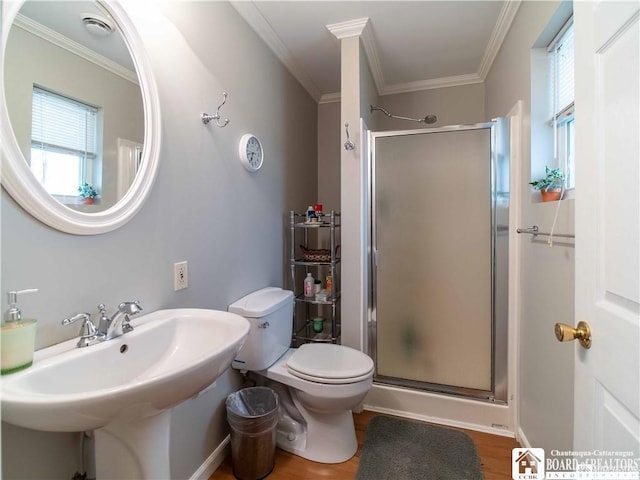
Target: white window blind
{"type": "Point", "coordinates": [61, 124]}
{"type": "Point", "coordinates": [561, 51]}
{"type": "Point", "coordinates": [563, 77]}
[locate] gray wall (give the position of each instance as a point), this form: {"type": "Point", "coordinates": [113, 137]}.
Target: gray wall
{"type": "Point", "coordinates": [452, 105]}
{"type": "Point", "coordinates": [329, 146]}
{"type": "Point", "coordinates": [368, 92]}
{"type": "Point", "coordinates": [204, 208]}
{"type": "Point", "coordinates": [547, 280]}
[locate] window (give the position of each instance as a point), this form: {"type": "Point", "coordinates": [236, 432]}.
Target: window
{"type": "Point", "coordinates": [64, 140]}
{"type": "Point", "coordinates": [563, 96]}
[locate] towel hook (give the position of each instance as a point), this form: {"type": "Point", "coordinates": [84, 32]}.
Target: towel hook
{"type": "Point", "coordinates": [206, 118]}
{"type": "Point", "coordinates": [348, 145]}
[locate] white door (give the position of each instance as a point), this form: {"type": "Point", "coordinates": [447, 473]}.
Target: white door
{"type": "Point", "coordinates": [607, 376]}
{"type": "Point", "coordinates": [129, 158]}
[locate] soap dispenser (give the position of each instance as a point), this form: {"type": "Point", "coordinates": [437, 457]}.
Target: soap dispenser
{"type": "Point", "coordinates": [17, 337]}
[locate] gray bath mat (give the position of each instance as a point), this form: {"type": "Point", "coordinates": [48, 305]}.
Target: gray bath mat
{"type": "Point", "coordinates": [397, 449]}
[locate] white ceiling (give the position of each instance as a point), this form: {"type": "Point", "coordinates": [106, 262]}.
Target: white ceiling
{"type": "Point", "coordinates": [63, 26]}
{"type": "Point", "coordinates": [410, 45]}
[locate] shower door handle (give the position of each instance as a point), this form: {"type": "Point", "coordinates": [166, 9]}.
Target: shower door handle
{"type": "Point", "coordinates": [582, 333]}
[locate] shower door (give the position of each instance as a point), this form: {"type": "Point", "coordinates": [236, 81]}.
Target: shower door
{"type": "Point", "coordinates": [439, 201]}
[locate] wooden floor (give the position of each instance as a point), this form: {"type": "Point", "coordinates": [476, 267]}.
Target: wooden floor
{"type": "Point", "coordinates": [494, 452]}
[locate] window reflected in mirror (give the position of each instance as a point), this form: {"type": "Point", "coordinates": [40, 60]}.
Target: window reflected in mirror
{"type": "Point", "coordinates": [65, 134]}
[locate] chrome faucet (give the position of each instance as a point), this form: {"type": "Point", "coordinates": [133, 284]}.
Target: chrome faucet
{"type": "Point", "coordinates": [118, 324]}
{"type": "Point", "coordinates": [108, 327]}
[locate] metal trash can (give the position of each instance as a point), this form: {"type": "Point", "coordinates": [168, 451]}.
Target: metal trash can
{"type": "Point", "coordinates": [253, 415]}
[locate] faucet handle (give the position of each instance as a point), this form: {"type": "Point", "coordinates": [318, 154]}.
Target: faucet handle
{"type": "Point", "coordinates": [130, 308]}
{"type": "Point", "coordinates": [88, 331]}
{"type": "Point", "coordinates": [103, 323]}
{"type": "Point", "coordinates": [78, 316]}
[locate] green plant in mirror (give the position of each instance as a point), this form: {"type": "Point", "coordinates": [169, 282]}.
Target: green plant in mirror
{"type": "Point", "coordinates": [87, 191]}
{"type": "Point", "coordinates": [553, 179]}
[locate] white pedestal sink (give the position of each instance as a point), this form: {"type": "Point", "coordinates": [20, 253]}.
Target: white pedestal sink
{"type": "Point", "coordinates": [124, 388]}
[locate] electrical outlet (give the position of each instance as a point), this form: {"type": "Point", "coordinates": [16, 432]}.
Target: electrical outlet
{"type": "Point", "coordinates": [180, 276]}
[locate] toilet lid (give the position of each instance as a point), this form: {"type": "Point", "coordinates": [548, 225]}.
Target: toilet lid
{"type": "Point", "coordinates": [328, 363]}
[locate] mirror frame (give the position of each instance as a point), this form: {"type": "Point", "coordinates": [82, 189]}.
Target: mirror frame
{"type": "Point", "coordinates": [21, 184]}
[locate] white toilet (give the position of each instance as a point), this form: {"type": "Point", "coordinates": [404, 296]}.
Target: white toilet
{"type": "Point", "coordinates": [318, 383]}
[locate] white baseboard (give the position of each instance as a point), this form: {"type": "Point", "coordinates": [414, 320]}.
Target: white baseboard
{"type": "Point", "coordinates": [442, 409]}
{"type": "Point", "coordinates": [214, 460]}
{"type": "Point", "coordinates": [522, 438]}
{"type": "Point", "coordinates": [441, 421]}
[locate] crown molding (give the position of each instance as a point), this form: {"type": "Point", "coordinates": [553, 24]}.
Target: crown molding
{"type": "Point", "coordinates": [74, 47]}
{"type": "Point", "coordinates": [371, 52]}
{"type": "Point", "coordinates": [361, 28]}
{"type": "Point", "coordinates": [250, 13]}
{"type": "Point", "coordinates": [330, 98]}
{"type": "Point", "coordinates": [419, 85]}
{"type": "Point", "coordinates": [348, 29]}
{"type": "Point", "coordinates": [383, 88]}
{"type": "Point", "coordinates": [505, 19]}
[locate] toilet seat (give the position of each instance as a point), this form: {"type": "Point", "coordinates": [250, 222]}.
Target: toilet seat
{"type": "Point", "coordinates": [330, 364]}
{"type": "Point", "coordinates": [330, 381]}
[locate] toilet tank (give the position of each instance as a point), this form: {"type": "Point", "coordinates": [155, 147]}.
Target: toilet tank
{"type": "Point", "coordinates": [270, 314]}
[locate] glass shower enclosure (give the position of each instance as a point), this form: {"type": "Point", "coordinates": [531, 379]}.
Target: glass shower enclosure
{"type": "Point", "coordinates": [439, 259]}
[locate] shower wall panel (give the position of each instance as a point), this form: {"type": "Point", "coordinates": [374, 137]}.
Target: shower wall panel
{"type": "Point", "coordinates": [432, 229]}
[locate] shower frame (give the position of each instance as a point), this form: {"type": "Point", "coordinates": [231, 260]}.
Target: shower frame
{"type": "Point", "coordinates": [499, 198]}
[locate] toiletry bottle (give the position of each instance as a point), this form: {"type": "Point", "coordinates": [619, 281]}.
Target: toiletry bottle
{"type": "Point", "coordinates": [309, 282]}
{"type": "Point", "coordinates": [17, 336]}
{"type": "Point", "coordinates": [311, 214]}
{"type": "Point", "coordinates": [329, 283]}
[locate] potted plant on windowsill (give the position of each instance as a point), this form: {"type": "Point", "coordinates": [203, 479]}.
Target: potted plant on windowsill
{"type": "Point", "coordinates": [551, 185]}
{"type": "Point", "coordinates": [88, 193]}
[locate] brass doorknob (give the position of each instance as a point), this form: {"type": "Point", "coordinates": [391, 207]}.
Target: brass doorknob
{"type": "Point", "coordinates": [566, 333]}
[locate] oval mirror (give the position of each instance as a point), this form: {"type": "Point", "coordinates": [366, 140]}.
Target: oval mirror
{"type": "Point", "coordinates": [80, 114]}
